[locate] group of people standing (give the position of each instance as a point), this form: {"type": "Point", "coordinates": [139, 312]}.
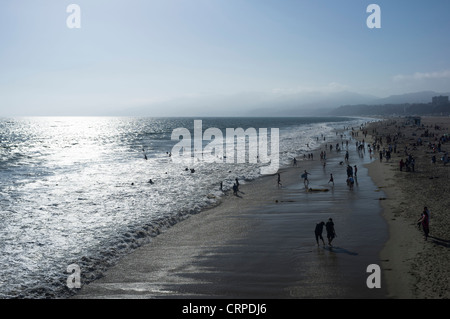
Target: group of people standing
{"type": "Point", "coordinates": [409, 164]}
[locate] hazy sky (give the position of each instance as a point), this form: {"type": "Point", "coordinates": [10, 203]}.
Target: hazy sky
{"type": "Point", "coordinates": [135, 53]}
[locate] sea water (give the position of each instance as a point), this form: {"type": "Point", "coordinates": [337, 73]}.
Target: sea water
{"type": "Point", "coordinates": [75, 190]}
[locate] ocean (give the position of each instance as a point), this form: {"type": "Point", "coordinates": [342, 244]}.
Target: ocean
{"type": "Point", "coordinates": [77, 190]}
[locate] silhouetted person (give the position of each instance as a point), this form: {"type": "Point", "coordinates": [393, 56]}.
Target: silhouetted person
{"type": "Point", "coordinates": [331, 179]}
{"type": "Point", "coordinates": [318, 232]}
{"type": "Point", "coordinates": [235, 189]}
{"type": "Point", "coordinates": [331, 233]}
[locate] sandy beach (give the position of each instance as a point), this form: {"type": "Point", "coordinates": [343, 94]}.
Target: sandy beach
{"type": "Point", "coordinates": [260, 244]}
{"type": "Point", "coordinates": [413, 267]}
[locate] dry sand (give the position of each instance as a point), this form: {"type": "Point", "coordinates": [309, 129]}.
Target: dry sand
{"type": "Point", "coordinates": [413, 267]}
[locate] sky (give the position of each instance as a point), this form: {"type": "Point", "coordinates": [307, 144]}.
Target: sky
{"type": "Point", "coordinates": [165, 56]}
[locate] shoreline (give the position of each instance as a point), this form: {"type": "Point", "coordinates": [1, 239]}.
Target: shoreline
{"type": "Point", "coordinates": [412, 267]}
{"type": "Point", "coordinates": [183, 261]}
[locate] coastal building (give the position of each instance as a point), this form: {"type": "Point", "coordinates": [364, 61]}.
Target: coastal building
{"type": "Point", "coordinates": [440, 100]}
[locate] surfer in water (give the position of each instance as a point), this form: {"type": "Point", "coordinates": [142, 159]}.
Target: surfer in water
{"type": "Point", "coordinates": [145, 155]}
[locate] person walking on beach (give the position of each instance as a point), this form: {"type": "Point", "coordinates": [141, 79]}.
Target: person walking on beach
{"type": "Point", "coordinates": [427, 212]}
{"type": "Point", "coordinates": [305, 178]}
{"type": "Point", "coordinates": [279, 180]}
{"type": "Point", "coordinates": [424, 221]}
{"type": "Point", "coordinates": [331, 179]}
{"type": "Point", "coordinates": [331, 233]}
{"type": "Point", "coordinates": [425, 209]}
{"type": "Point", "coordinates": [235, 189]}
{"type": "Point", "coordinates": [350, 182]}
{"type": "Point", "coordinates": [318, 232]}
{"type": "Point", "coordinates": [349, 171]}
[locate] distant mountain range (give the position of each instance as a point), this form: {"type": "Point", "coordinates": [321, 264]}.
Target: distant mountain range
{"type": "Point", "coordinates": [343, 103]}
{"type": "Point", "coordinates": [251, 104]}
{"type": "Point", "coordinates": [346, 103]}
{"type": "Point", "coordinates": [417, 103]}
{"type": "Point", "coordinates": [416, 97]}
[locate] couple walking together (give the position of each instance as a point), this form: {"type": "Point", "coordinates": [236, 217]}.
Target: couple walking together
{"type": "Point", "coordinates": [331, 233]}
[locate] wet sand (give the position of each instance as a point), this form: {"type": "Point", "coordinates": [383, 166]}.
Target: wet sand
{"type": "Point", "coordinates": [261, 243]}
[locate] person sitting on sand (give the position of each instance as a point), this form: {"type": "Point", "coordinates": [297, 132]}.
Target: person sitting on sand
{"type": "Point", "coordinates": [318, 232]}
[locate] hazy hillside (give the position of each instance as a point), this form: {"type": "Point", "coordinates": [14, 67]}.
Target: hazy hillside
{"type": "Point", "coordinates": [418, 103]}
{"type": "Point", "coordinates": [412, 98]}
